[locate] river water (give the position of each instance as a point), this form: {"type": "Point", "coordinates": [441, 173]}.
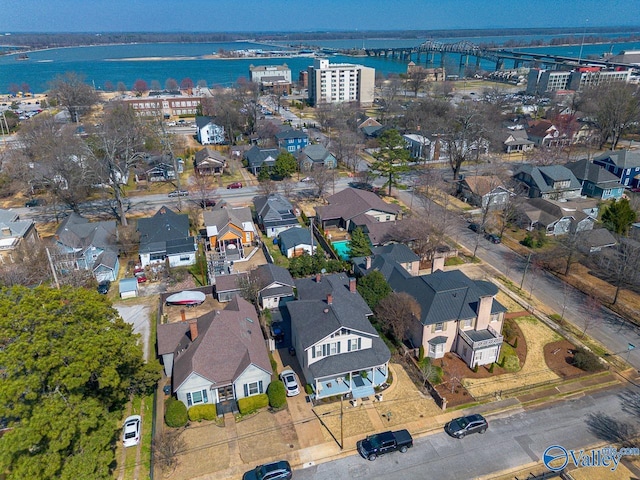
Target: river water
{"type": "Point", "coordinates": [161, 61]}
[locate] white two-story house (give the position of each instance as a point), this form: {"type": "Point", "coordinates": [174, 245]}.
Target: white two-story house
{"type": "Point", "coordinates": [338, 349]}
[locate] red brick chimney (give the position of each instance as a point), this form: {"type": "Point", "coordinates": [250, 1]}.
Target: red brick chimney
{"type": "Point", "coordinates": [193, 329]}
{"type": "Point", "coordinates": [318, 277]}
{"type": "Point", "coordinates": [184, 315]}
{"type": "Point", "coordinates": [352, 284]}
{"type": "Point", "coordinates": [329, 299]}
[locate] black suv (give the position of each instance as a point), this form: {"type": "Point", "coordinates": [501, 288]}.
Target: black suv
{"type": "Point", "coordinates": [462, 426]}
{"type": "Point", "coordinates": [270, 471]}
{"type": "Point", "coordinates": [492, 237]}
{"type": "Point", "coordinates": [34, 202]}
{"type": "Point", "coordinates": [103, 287]}
{"type": "Point", "coordinates": [475, 227]}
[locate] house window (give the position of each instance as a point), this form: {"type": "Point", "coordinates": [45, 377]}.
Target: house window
{"type": "Point", "coordinates": [467, 323]}
{"type": "Point", "coordinates": [354, 344]}
{"type": "Point", "coordinates": [388, 217]}
{"type": "Point", "coordinates": [253, 388]}
{"type": "Point", "coordinates": [185, 259]}
{"type": "Point", "coordinates": [197, 397]}
{"type": "Point", "coordinates": [436, 349]}
{"type": "Point", "coordinates": [439, 326]}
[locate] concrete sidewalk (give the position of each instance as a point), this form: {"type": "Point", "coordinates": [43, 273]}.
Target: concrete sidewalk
{"type": "Point", "coordinates": [319, 451]}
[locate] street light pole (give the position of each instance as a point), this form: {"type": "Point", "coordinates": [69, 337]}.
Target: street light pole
{"type": "Point", "coordinates": [525, 270]}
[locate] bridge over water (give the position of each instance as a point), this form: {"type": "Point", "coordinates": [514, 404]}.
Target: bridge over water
{"type": "Point", "coordinates": [428, 51]}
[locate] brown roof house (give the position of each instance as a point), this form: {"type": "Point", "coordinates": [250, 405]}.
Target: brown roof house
{"type": "Point", "coordinates": [209, 162]}
{"type": "Point", "coordinates": [217, 358]}
{"type": "Point", "coordinates": [485, 191]}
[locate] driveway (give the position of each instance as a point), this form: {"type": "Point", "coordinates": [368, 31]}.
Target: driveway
{"type": "Point", "coordinates": [139, 317]}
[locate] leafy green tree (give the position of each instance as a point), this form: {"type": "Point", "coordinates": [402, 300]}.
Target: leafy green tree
{"type": "Point", "coordinates": [373, 287]}
{"type": "Point", "coordinates": [619, 216]}
{"type": "Point", "coordinates": [264, 175]}
{"type": "Point", "coordinates": [359, 243]}
{"type": "Point", "coordinates": [68, 362]}
{"type": "Point", "coordinates": [285, 165]}
{"type": "Point", "coordinates": [392, 158]}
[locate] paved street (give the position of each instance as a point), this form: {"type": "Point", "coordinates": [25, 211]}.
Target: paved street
{"type": "Point", "coordinates": [613, 332]}
{"type": "Point", "coordinates": [513, 439]}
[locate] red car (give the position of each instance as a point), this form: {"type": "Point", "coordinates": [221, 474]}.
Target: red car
{"type": "Point", "coordinates": [235, 185]}
{"type": "Point", "coordinates": [141, 278]}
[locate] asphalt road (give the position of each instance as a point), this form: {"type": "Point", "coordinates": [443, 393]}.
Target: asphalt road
{"type": "Point", "coordinates": [513, 439]}
{"type": "Point", "coordinates": [612, 331]}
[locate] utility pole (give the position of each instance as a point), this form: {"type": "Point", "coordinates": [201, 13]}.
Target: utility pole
{"type": "Point", "coordinates": [525, 270]}
{"type": "Point", "coordinates": [341, 424]}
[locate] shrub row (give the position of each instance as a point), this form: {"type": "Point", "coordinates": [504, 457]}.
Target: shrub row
{"type": "Point", "coordinates": [251, 404]}
{"type": "Point", "coordinates": [202, 412]}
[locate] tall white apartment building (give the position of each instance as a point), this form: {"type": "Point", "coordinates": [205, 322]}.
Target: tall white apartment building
{"type": "Point", "coordinates": [541, 81]}
{"type": "Point", "coordinates": [340, 82]}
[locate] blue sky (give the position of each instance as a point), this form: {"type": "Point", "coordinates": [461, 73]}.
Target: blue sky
{"type": "Point", "coordinates": [303, 15]}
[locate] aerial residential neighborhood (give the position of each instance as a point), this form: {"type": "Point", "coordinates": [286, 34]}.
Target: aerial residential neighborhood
{"type": "Point", "coordinates": [323, 262]}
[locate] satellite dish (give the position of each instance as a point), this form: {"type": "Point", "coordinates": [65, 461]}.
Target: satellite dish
{"type": "Point", "coordinates": [324, 270]}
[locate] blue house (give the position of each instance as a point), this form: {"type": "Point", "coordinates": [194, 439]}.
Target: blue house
{"type": "Point", "coordinates": [292, 140]}
{"type": "Point", "coordinates": [85, 245]}
{"type": "Point", "coordinates": [597, 182]}
{"type": "Point", "coordinates": [624, 164]}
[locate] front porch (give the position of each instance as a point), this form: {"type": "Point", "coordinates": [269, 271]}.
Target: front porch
{"type": "Point", "coordinates": [357, 384]}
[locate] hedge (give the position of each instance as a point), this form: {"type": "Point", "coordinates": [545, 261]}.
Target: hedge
{"type": "Point", "coordinates": [586, 360]}
{"type": "Point", "coordinates": [175, 413]}
{"type": "Point", "coordinates": [251, 404]}
{"type": "Point", "coordinates": [277, 394]}
{"type": "Point", "coordinates": [203, 412]}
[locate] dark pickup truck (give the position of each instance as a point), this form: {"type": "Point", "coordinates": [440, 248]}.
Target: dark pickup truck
{"type": "Point", "coordinates": [375, 445]}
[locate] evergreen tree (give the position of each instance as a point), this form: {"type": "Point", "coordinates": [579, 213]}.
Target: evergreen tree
{"type": "Point", "coordinates": [69, 364]}
{"type": "Point", "coordinates": [373, 287]}
{"type": "Point", "coordinates": [285, 165]}
{"type": "Point", "coordinates": [391, 158]}
{"type": "Point", "coordinates": [619, 216]}
{"type": "Point", "coordinates": [359, 243]}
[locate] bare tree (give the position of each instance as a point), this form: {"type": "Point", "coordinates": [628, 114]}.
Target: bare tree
{"type": "Point", "coordinates": [203, 189]}
{"type": "Point", "coordinates": [619, 265]}
{"type": "Point", "coordinates": [611, 430]}
{"type": "Point", "coordinates": [288, 188]}
{"type": "Point", "coordinates": [168, 445]}
{"type": "Point", "coordinates": [463, 138]}
{"type": "Point", "coordinates": [321, 178]}
{"type": "Point", "coordinates": [614, 107]}
{"type": "Point", "coordinates": [267, 187]}
{"type": "Point", "coordinates": [416, 79]}
{"type": "Point", "coordinates": [117, 147]}
{"type": "Point", "coordinates": [171, 84]}
{"type": "Point", "coordinates": [396, 312]}
{"type": "Point", "coordinates": [128, 239]}
{"type": "Point", "coordinates": [390, 97]}
{"type": "Point", "coordinates": [592, 315]}
{"type": "Point", "coordinates": [29, 267]}
{"type": "Point", "coordinates": [73, 94]}
{"type": "Point", "coordinates": [428, 371]}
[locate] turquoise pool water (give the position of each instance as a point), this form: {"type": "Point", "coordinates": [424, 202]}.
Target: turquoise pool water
{"type": "Point", "coordinates": [342, 248]}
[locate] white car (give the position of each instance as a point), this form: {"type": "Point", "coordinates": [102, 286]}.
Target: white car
{"type": "Point", "coordinates": [131, 434]}
{"type": "Point", "coordinates": [288, 377]}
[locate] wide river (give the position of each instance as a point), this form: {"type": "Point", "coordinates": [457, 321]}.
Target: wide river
{"type": "Point", "coordinates": [161, 61]}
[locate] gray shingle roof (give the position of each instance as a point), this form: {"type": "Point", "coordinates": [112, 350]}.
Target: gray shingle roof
{"type": "Point", "coordinates": [445, 296]}
{"type": "Point", "coordinates": [545, 176]}
{"type": "Point", "coordinates": [274, 211]}
{"type": "Point", "coordinates": [257, 156]}
{"type": "Point", "coordinates": [348, 310]}
{"type": "Point", "coordinates": [585, 170]}
{"type": "Point", "coordinates": [621, 158]}
{"type": "Point", "coordinates": [163, 227]}
{"type": "Point", "coordinates": [269, 274]}
{"type": "Point", "coordinates": [295, 236]}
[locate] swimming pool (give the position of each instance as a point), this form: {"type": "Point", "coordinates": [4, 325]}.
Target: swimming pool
{"type": "Point", "coordinates": [342, 248]}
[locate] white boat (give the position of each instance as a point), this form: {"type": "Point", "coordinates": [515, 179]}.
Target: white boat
{"type": "Point", "coordinates": [186, 297]}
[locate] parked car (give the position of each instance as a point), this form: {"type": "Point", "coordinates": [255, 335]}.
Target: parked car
{"type": "Point", "coordinates": [207, 202]}
{"type": "Point", "coordinates": [476, 227]}
{"type": "Point", "coordinates": [141, 278]}
{"type": "Point", "coordinates": [131, 433]}
{"type": "Point", "coordinates": [179, 193]}
{"type": "Point", "coordinates": [306, 179]}
{"type": "Point", "coordinates": [34, 202]}
{"type": "Point", "coordinates": [270, 471]}
{"type": "Point", "coordinates": [386, 442]}
{"type": "Point", "coordinates": [235, 185]}
{"type": "Point", "coordinates": [492, 237]}
{"type": "Point", "coordinates": [103, 287]}
{"type": "Point", "coordinates": [288, 377]}
{"type": "Point", "coordinates": [462, 426]}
